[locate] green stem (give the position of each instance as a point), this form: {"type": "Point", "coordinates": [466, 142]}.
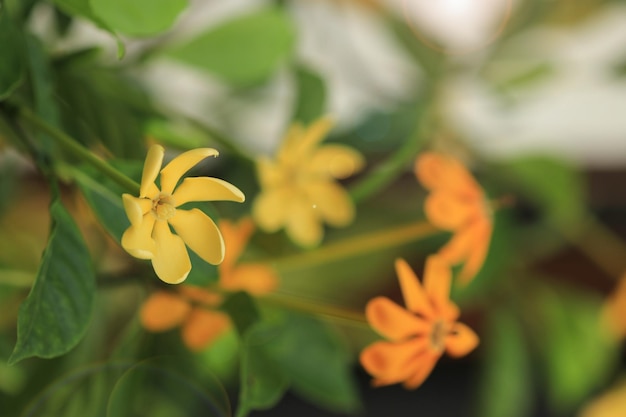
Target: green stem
{"type": "Point", "coordinates": [300, 304]}
{"type": "Point", "coordinates": [358, 245]}
{"type": "Point", "coordinates": [78, 151]}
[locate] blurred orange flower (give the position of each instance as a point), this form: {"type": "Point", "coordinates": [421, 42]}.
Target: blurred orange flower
{"type": "Point", "coordinates": [614, 311]}
{"type": "Point", "coordinates": [298, 187]}
{"type": "Point", "coordinates": [419, 334]}
{"type": "Point", "coordinates": [456, 203]}
{"type": "Point", "coordinates": [194, 308]}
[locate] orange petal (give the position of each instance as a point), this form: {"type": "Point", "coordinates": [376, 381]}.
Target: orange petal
{"type": "Point", "coordinates": [393, 321]}
{"type": "Point", "coordinates": [461, 340]}
{"type": "Point", "coordinates": [447, 211]}
{"type": "Point", "coordinates": [459, 246]}
{"type": "Point", "coordinates": [203, 327]}
{"type": "Point", "coordinates": [206, 189]}
{"type": "Point", "coordinates": [200, 295]}
{"type": "Point", "coordinates": [151, 168]}
{"type": "Point", "coordinates": [415, 297]}
{"type": "Point", "coordinates": [440, 172]}
{"type": "Point", "coordinates": [427, 362]}
{"type": "Point", "coordinates": [200, 233]}
{"type": "Point", "coordinates": [477, 255]}
{"type": "Point", "coordinates": [163, 311]}
{"type": "Point", "coordinates": [388, 361]}
{"type": "Point", "coordinates": [257, 279]}
{"type": "Point", "coordinates": [171, 260]}
{"type": "Point", "coordinates": [180, 165]}
{"type": "Point", "coordinates": [437, 279]}
{"type": "Point", "coordinates": [236, 237]}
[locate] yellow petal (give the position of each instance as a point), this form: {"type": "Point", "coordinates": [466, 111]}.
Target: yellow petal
{"type": "Point", "coordinates": [392, 321]}
{"type": "Point", "coordinates": [437, 280]}
{"type": "Point", "coordinates": [290, 142]}
{"type": "Point", "coordinates": [151, 168]}
{"type": "Point", "coordinates": [270, 174]}
{"type": "Point", "coordinates": [137, 239]}
{"type": "Point", "coordinates": [180, 165]}
{"type": "Point", "coordinates": [461, 340]}
{"type": "Point", "coordinates": [426, 363]}
{"type": "Point", "coordinates": [315, 134]}
{"type": "Point", "coordinates": [257, 279]}
{"type": "Point", "coordinates": [336, 161]}
{"type": "Point", "coordinates": [163, 311]}
{"type": "Point", "coordinates": [171, 260]}
{"type": "Point", "coordinates": [206, 189]}
{"type": "Point", "coordinates": [303, 226]}
{"type": "Point", "coordinates": [446, 211]}
{"type": "Point", "coordinates": [135, 208]}
{"type": "Point", "coordinates": [331, 202]}
{"type": "Point", "coordinates": [271, 208]}
{"type": "Point", "coordinates": [415, 297]}
{"type": "Point", "coordinates": [200, 233]}
{"type": "Point", "coordinates": [389, 361]}
{"type": "Point", "coordinates": [203, 327]}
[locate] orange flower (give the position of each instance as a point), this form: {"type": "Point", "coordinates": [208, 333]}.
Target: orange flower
{"type": "Point", "coordinates": [194, 308]}
{"type": "Point", "coordinates": [191, 307]}
{"type": "Point", "coordinates": [614, 311]}
{"type": "Point", "coordinates": [419, 334]}
{"type": "Point", "coordinates": [456, 203]}
{"type": "Point", "coordinates": [255, 278]}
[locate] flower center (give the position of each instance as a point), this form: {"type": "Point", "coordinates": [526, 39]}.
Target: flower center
{"type": "Point", "coordinates": [163, 207]}
{"type": "Point", "coordinates": [438, 335]}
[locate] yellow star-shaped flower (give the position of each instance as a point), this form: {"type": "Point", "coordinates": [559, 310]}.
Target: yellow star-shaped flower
{"type": "Point", "coordinates": [151, 214]}
{"type": "Point", "coordinates": [298, 187]}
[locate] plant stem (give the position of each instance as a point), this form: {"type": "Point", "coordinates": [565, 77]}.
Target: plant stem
{"type": "Point", "coordinates": [354, 246]}
{"type": "Point", "coordinates": [77, 150]}
{"type": "Point", "coordinates": [300, 304]}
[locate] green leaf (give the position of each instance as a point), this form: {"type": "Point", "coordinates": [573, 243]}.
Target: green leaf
{"type": "Point", "coordinates": [56, 313]}
{"type": "Point", "coordinates": [242, 311]}
{"type": "Point", "coordinates": [11, 64]}
{"type": "Point", "coordinates": [507, 382]}
{"type": "Point", "coordinates": [243, 51]}
{"type": "Point", "coordinates": [138, 17]}
{"type": "Point", "coordinates": [556, 186]}
{"type": "Point", "coordinates": [311, 102]}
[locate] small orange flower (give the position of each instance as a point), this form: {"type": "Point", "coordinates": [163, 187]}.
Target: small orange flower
{"type": "Point", "coordinates": [194, 308]}
{"type": "Point", "coordinates": [419, 334]}
{"type": "Point", "coordinates": [456, 203]}
{"type": "Point", "coordinates": [614, 311]}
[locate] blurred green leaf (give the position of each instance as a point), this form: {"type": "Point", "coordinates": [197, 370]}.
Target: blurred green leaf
{"type": "Point", "coordinates": [242, 310]}
{"type": "Point", "coordinates": [555, 185]}
{"type": "Point", "coordinates": [11, 64]}
{"type": "Point", "coordinates": [243, 51]}
{"type": "Point", "coordinates": [138, 17]}
{"type": "Point", "coordinates": [55, 316]}
{"type": "Point", "coordinates": [507, 380]}
{"type": "Point", "coordinates": [311, 102]}
{"type": "Point", "coordinates": [578, 354]}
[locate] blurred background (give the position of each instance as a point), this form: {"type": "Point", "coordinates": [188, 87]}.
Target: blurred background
{"type": "Point", "coordinates": [530, 94]}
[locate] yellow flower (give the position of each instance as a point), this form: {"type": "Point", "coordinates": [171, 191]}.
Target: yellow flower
{"type": "Point", "coordinates": [152, 213]}
{"type": "Point", "coordinates": [456, 203]}
{"type": "Point", "coordinates": [419, 334]}
{"type": "Point", "coordinates": [298, 187]}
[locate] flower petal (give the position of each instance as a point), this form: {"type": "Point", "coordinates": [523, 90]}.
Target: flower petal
{"type": "Point", "coordinates": [459, 246]}
{"type": "Point", "coordinates": [200, 295]}
{"type": "Point", "coordinates": [437, 280]}
{"type": "Point", "coordinates": [257, 279]}
{"type": "Point", "coordinates": [389, 361]}
{"type": "Point", "coordinates": [135, 208]}
{"type": "Point", "coordinates": [336, 161]}
{"type": "Point", "coordinates": [304, 227]}
{"type": "Point", "coordinates": [200, 233]}
{"type": "Point", "coordinates": [269, 173]}
{"type": "Point", "coordinates": [393, 321]}
{"type": "Point", "coordinates": [312, 136]}
{"type": "Point", "coordinates": [203, 327]}
{"type": "Point", "coordinates": [447, 211]}
{"type": "Point", "coordinates": [137, 239]}
{"type": "Point", "coordinates": [271, 208]}
{"type": "Point", "coordinates": [163, 311]}
{"type": "Point", "coordinates": [414, 295]}
{"type": "Point", "coordinates": [206, 189]}
{"type": "Point", "coordinates": [461, 340]}
{"type": "Point", "coordinates": [236, 237]}
{"type": "Point", "coordinates": [151, 168]}
{"type": "Point", "coordinates": [427, 362]}
{"type": "Point", "coordinates": [180, 165]}
{"type": "Point", "coordinates": [441, 172]}
{"type": "Point", "coordinates": [171, 260]}
{"type": "Point", "coordinates": [331, 202]}
{"type": "Point", "coordinates": [478, 253]}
